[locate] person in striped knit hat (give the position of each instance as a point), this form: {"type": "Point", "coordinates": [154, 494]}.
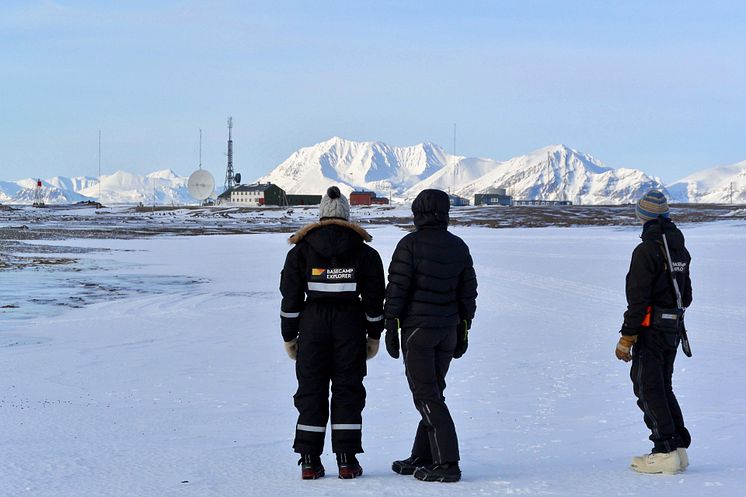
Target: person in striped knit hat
{"type": "Point", "coordinates": [650, 338]}
{"type": "Point", "coordinates": [652, 205]}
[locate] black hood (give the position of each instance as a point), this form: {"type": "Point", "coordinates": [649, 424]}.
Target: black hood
{"type": "Point", "coordinates": [331, 241]}
{"type": "Point", "coordinates": [651, 230]}
{"type": "Point", "coordinates": [430, 209]}
{"type": "Point", "coordinates": [332, 237]}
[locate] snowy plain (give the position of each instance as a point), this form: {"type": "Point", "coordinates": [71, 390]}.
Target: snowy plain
{"type": "Point", "coordinates": [188, 392]}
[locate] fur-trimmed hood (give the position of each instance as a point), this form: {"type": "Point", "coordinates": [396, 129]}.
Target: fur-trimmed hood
{"type": "Point", "coordinates": [305, 230]}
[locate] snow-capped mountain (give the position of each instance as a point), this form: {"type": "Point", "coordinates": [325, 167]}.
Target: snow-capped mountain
{"type": "Point", "coordinates": [551, 173]}
{"type": "Point", "coordinates": [8, 190]}
{"type": "Point", "coordinates": [712, 185]}
{"type": "Point", "coordinates": [371, 165]}
{"type": "Point", "coordinates": [121, 187]}
{"type": "Point", "coordinates": [74, 184]}
{"type": "Point", "coordinates": [125, 188]}
{"type": "Point", "coordinates": [556, 172]}
{"type": "Point", "coordinates": [57, 190]}
{"type": "Point", "coordinates": [49, 195]}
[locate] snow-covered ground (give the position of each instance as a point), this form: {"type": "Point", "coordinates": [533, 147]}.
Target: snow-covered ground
{"type": "Point", "coordinates": [188, 392]}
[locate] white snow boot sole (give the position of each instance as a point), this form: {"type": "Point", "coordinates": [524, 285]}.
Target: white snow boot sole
{"type": "Point", "coordinates": [657, 463]}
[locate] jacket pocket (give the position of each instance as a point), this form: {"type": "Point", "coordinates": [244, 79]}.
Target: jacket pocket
{"type": "Point", "coordinates": [669, 321]}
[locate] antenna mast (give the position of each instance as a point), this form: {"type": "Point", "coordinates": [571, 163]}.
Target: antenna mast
{"type": "Point", "coordinates": [455, 160]}
{"type": "Point", "coordinates": [100, 200]}
{"type": "Point", "coordinates": [229, 176]}
{"type": "Point", "coordinates": [200, 148]}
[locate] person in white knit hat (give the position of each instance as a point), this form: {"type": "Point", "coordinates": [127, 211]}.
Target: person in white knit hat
{"type": "Point", "coordinates": [334, 205]}
{"type": "Point", "coordinates": [332, 289]}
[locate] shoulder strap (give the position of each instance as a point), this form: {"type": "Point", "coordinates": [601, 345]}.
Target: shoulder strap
{"type": "Point", "coordinates": [669, 267]}
{"type": "Point", "coordinates": [675, 284]}
{"type": "Point", "coordinates": [666, 272]}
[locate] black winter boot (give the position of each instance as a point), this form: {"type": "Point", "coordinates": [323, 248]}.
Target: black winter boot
{"type": "Point", "coordinates": [310, 467]}
{"type": "Point", "coordinates": [408, 465]}
{"type": "Point", "coordinates": [349, 467]}
{"type": "Point", "coordinates": [446, 472]}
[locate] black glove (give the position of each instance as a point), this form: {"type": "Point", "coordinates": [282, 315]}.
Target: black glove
{"type": "Point", "coordinates": [374, 329]}
{"type": "Point", "coordinates": [392, 337]}
{"type": "Point", "coordinates": [462, 338]}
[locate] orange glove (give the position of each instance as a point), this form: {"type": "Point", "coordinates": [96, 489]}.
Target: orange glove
{"type": "Point", "coordinates": [624, 347]}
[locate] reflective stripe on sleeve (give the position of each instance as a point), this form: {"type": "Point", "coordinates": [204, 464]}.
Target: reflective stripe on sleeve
{"type": "Point", "coordinates": [315, 429]}
{"type": "Point", "coordinates": [332, 287]}
{"type": "Point", "coordinates": [289, 314]}
{"type": "Point", "coordinates": [373, 320]}
{"type": "Point", "coordinates": [347, 427]}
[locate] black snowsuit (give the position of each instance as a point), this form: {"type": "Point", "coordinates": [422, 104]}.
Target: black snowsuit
{"type": "Point", "coordinates": [432, 287]}
{"type": "Point", "coordinates": [649, 287]}
{"type": "Point", "coordinates": [332, 289]}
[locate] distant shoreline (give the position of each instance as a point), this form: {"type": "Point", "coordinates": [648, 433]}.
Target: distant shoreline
{"type": "Point", "coordinates": [25, 223]}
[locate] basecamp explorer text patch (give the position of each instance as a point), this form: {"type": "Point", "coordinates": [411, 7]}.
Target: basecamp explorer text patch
{"type": "Point", "coordinates": [333, 274]}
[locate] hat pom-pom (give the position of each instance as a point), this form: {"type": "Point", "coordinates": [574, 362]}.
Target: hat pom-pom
{"type": "Point", "coordinates": [333, 192]}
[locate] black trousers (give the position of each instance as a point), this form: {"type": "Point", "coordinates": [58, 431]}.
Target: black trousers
{"type": "Point", "coordinates": [331, 348]}
{"type": "Point", "coordinates": [651, 374]}
{"type": "Point", "coordinates": [427, 355]}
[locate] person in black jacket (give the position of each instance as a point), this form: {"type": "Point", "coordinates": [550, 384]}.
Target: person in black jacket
{"type": "Point", "coordinates": [431, 296]}
{"type": "Point", "coordinates": [332, 289]}
{"type": "Point", "coordinates": [652, 331]}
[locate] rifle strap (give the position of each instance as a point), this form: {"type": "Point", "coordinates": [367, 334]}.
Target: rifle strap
{"type": "Point", "coordinates": [675, 286]}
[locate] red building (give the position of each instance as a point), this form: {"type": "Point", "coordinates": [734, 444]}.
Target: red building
{"type": "Point", "coordinates": [367, 198]}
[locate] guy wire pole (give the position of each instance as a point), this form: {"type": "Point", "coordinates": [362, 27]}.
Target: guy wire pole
{"type": "Point", "coordinates": [100, 200]}
{"type": "Point", "coordinates": [455, 160]}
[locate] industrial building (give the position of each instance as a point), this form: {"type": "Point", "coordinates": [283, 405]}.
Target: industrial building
{"type": "Point", "coordinates": [302, 199]}
{"type": "Point", "coordinates": [367, 198]}
{"type": "Point", "coordinates": [495, 196]}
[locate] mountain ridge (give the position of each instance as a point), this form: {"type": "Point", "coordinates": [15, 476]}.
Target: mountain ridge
{"type": "Point", "coordinates": [554, 172]}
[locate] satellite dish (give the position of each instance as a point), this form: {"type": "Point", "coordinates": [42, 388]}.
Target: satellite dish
{"type": "Point", "coordinates": [237, 177]}
{"type": "Point", "coordinates": [201, 184]}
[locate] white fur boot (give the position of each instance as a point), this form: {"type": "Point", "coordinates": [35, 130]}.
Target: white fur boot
{"type": "Point", "coordinates": [683, 457]}
{"type": "Point", "coordinates": [667, 463]}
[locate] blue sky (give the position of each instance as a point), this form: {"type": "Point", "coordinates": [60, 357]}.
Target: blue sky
{"type": "Point", "coordinates": [659, 86]}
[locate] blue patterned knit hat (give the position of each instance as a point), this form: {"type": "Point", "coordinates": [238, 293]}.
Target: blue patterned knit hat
{"type": "Point", "coordinates": [651, 205]}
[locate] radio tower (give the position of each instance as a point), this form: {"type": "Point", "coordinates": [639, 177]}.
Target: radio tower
{"type": "Point", "coordinates": [229, 176]}
{"type": "Point", "coordinates": [455, 163]}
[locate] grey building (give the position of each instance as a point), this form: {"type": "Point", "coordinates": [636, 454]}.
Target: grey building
{"type": "Point", "coordinates": [494, 196]}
